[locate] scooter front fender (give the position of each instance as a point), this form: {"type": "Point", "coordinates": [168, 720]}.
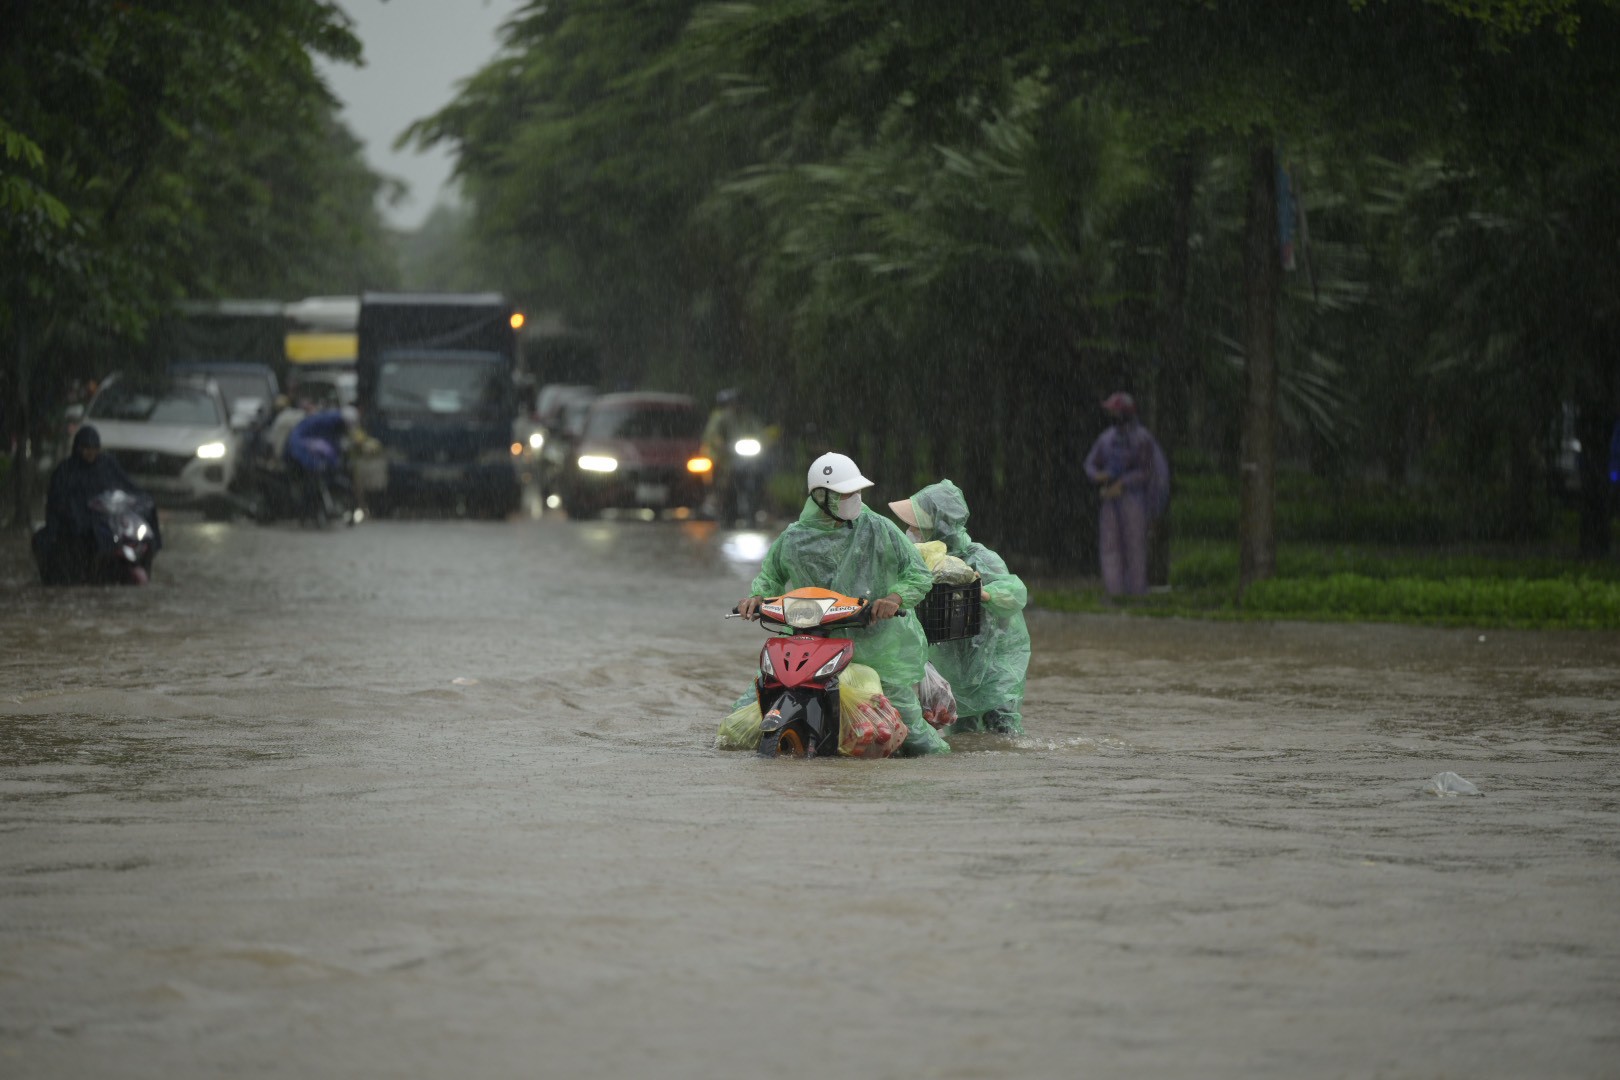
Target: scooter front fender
{"type": "Point", "coordinates": [781, 706]}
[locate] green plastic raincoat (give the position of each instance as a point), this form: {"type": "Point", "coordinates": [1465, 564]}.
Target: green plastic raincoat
{"type": "Point", "coordinates": [869, 558]}
{"type": "Point", "coordinates": [986, 671]}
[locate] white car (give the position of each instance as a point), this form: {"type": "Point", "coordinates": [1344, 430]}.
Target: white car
{"type": "Point", "coordinates": [173, 439]}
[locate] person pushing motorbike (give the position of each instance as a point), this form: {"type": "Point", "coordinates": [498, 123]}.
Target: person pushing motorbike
{"type": "Point", "coordinates": [838, 543]}
{"type": "Point", "coordinates": [986, 671]}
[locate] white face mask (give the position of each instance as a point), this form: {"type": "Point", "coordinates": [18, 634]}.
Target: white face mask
{"type": "Point", "coordinates": [914, 534]}
{"type": "Point", "coordinates": [849, 507]}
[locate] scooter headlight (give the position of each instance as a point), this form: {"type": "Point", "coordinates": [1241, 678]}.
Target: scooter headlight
{"type": "Point", "coordinates": [765, 666]}
{"type": "Point", "coordinates": [747, 447]}
{"type": "Point", "coordinates": [802, 614]}
{"type": "Point", "coordinates": [833, 665]}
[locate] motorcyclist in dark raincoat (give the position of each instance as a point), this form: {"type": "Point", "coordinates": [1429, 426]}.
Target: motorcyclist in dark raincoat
{"type": "Point", "coordinates": [73, 536]}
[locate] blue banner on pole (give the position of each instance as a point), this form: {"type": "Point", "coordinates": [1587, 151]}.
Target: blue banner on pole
{"type": "Point", "coordinates": [1286, 214]}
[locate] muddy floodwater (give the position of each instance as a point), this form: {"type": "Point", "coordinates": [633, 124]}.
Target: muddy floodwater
{"type": "Point", "coordinates": [439, 799]}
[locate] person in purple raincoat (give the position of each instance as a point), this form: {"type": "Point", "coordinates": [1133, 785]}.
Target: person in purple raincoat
{"type": "Point", "coordinates": [1128, 466]}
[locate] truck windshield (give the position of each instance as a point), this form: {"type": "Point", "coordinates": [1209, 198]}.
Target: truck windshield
{"type": "Point", "coordinates": [443, 384]}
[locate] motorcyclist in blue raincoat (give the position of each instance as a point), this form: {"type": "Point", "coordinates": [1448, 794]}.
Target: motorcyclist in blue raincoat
{"type": "Point", "coordinates": [314, 452]}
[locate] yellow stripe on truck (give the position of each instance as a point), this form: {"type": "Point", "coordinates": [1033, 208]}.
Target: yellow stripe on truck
{"type": "Point", "coordinates": [322, 348]}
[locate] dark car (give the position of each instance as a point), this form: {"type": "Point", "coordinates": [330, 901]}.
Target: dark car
{"type": "Point", "coordinates": [636, 451]}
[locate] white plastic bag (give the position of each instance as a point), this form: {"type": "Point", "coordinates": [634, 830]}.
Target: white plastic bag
{"type": "Point", "coordinates": [936, 698]}
{"type": "Point", "coordinates": [1449, 784]}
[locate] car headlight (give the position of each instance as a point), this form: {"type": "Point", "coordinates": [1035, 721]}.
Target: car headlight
{"type": "Point", "coordinates": [747, 447]}
{"type": "Point", "coordinates": [802, 614]}
{"type": "Point", "coordinates": [598, 463]}
{"type": "Point", "coordinates": [210, 451]}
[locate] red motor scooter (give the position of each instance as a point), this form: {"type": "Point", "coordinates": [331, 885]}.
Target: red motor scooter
{"type": "Point", "coordinates": [798, 670]}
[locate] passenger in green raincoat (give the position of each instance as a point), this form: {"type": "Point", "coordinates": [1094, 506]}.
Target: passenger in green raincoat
{"type": "Point", "coordinates": [986, 671]}
{"type": "Point", "coordinates": [839, 544]}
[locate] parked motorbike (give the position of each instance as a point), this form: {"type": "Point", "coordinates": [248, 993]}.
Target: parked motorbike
{"type": "Point", "coordinates": [120, 553]}
{"type": "Point", "coordinates": [799, 669]}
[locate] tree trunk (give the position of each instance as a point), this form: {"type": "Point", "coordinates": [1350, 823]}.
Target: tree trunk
{"type": "Point", "coordinates": [22, 431]}
{"type": "Point", "coordinates": [1593, 427]}
{"type": "Point", "coordinates": [1257, 539]}
{"type": "Point", "coordinates": [1172, 395]}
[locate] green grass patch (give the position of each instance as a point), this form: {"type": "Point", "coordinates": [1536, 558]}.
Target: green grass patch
{"type": "Point", "coordinates": [1363, 583]}
{"type": "Point", "coordinates": [1310, 509]}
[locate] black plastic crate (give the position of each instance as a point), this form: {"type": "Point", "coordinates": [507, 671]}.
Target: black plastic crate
{"type": "Point", "coordinates": [950, 612]}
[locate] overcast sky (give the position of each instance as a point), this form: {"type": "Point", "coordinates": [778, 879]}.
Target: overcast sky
{"type": "Point", "coordinates": [417, 53]}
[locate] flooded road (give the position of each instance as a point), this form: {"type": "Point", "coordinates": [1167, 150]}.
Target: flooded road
{"type": "Point", "coordinates": [438, 798]}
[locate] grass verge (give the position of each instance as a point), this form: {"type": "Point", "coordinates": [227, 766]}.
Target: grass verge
{"type": "Point", "coordinates": [1335, 583]}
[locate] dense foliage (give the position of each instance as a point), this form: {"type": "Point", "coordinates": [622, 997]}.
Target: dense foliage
{"type": "Point", "coordinates": [935, 233]}
{"type": "Point", "coordinates": [163, 150]}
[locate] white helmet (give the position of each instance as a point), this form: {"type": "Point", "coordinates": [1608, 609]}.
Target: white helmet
{"type": "Point", "coordinates": [835, 472]}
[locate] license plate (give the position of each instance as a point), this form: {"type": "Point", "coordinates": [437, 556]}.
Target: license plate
{"type": "Point", "coordinates": [440, 474]}
{"type": "Point", "coordinates": [652, 494]}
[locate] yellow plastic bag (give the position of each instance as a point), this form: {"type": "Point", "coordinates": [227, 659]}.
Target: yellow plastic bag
{"type": "Point", "coordinates": [740, 730]}
{"type": "Point", "coordinates": [932, 552]}
{"type": "Point", "coordinates": [945, 567]}
{"type": "Point", "coordinates": [857, 683]}
{"type": "Point", "coordinates": [868, 725]}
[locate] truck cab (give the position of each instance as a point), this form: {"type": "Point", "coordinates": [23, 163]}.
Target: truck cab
{"type": "Point", "coordinates": [435, 389]}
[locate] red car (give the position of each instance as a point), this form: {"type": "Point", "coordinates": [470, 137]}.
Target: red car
{"type": "Point", "coordinates": [637, 451]}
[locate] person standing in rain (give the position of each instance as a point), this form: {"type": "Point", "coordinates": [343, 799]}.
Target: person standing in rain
{"type": "Point", "coordinates": [986, 671]}
{"type": "Point", "coordinates": [1127, 465]}
{"type": "Point", "coordinates": [840, 544]}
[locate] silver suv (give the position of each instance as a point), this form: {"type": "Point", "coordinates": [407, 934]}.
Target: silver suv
{"type": "Point", "coordinates": [174, 438]}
